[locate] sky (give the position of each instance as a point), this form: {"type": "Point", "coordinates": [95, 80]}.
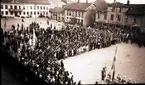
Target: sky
{"type": "Point", "coordinates": [123, 1]}
{"type": "Point", "coordinates": [109, 1]}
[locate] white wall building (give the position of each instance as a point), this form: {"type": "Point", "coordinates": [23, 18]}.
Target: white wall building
{"type": "Point", "coordinates": [25, 8]}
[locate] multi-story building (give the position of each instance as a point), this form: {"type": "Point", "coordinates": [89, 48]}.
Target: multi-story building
{"type": "Point", "coordinates": [74, 12]}
{"type": "Point", "coordinates": [114, 14]}
{"type": "Point", "coordinates": [25, 8]}
{"type": "Point", "coordinates": [57, 13]}
{"type": "Point", "coordinates": [135, 16]}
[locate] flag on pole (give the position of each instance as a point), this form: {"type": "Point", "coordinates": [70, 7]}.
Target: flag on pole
{"type": "Point", "coordinates": [113, 65]}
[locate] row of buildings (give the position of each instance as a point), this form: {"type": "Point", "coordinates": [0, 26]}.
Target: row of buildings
{"type": "Point", "coordinates": [25, 8]}
{"type": "Point", "coordinates": [101, 13]}
{"type": "Point", "coordinates": [98, 13]}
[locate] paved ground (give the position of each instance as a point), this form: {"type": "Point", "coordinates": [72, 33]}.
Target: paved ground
{"type": "Point", "coordinates": [87, 67]}
{"type": "Point", "coordinates": [27, 21]}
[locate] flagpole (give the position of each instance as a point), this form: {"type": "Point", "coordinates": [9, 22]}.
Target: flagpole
{"type": "Point", "coordinates": [113, 64]}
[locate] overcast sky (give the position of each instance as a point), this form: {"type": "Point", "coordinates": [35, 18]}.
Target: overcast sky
{"type": "Point", "coordinates": [109, 1]}
{"type": "Point", "coordinates": [123, 1]}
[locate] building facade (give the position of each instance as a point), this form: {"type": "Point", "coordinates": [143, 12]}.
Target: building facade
{"type": "Point", "coordinates": [25, 9]}
{"type": "Point", "coordinates": [57, 13]}
{"type": "Point", "coordinates": [120, 15]}
{"type": "Point", "coordinates": [113, 14]}
{"type": "Point", "coordinates": [74, 12]}
{"type": "Point", "coordinates": [135, 16]}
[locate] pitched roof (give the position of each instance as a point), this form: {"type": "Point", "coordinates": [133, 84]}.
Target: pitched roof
{"type": "Point", "coordinates": [56, 10]}
{"type": "Point", "coordinates": [27, 1]}
{"type": "Point", "coordinates": [118, 4]}
{"type": "Point", "coordinates": [77, 6]}
{"type": "Point", "coordinates": [136, 9]}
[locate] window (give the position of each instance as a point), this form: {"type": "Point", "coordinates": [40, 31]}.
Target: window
{"type": "Point", "coordinates": [98, 15]}
{"type": "Point", "coordinates": [112, 17]}
{"type": "Point", "coordinates": [1, 6]}
{"type": "Point", "coordinates": [38, 13]}
{"type": "Point", "coordinates": [27, 13]}
{"type": "Point", "coordinates": [43, 13]}
{"type": "Point", "coordinates": [41, 7]}
{"type": "Point", "coordinates": [134, 20]}
{"type": "Point", "coordinates": [46, 13]}
{"type": "Point", "coordinates": [27, 7]}
{"type": "Point", "coordinates": [31, 13]}
{"type": "Point", "coordinates": [34, 13]}
{"type": "Point", "coordinates": [119, 17]}
{"type": "Point", "coordinates": [76, 14]}
{"type": "Point", "coordinates": [105, 16]}
{"type": "Point", "coordinates": [37, 7]}
{"type": "Point", "coordinates": [69, 13]}
{"type": "Point", "coordinates": [73, 13]}
{"type": "Point", "coordinates": [113, 9]}
{"type": "Point", "coordinates": [120, 10]}
{"type": "Point", "coordinates": [23, 7]}
{"type": "Point", "coordinates": [6, 6]}
{"type": "Point", "coordinates": [11, 7]}
{"type": "Point", "coordinates": [126, 19]}
{"type": "Point", "coordinates": [34, 7]}
{"type": "Point", "coordinates": [11, 13]}
{"type": "Point", "coordinates": [47, 8]}
{"type": "Point", "coordinates": [23, 13]}
{"type": "Point", "coordinates": [6, 12]}
{"type": "Point", "coordinates": [20, 13]}
{"type": "Point", "coordinates": [19, 7]}
{"type": "Point", "coordinates": [79, 14]}
{"type": "Point", "coordinates": [30, 7]}
{"type": "Point", "coordinates": [44, 8]}
{"type": "Point", "coordinates": [15, 7]}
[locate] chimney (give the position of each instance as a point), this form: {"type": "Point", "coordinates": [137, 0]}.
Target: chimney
{"type": "Point", "coordinates": [78, 1]}
{"type": "Point", "coordinates": [128, 2]}
{"type": "Point", "coordinates": [86, 1]}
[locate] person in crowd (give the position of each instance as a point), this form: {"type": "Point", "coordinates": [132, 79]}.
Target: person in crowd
{"type": "Point", "coordinates": [39, 49]}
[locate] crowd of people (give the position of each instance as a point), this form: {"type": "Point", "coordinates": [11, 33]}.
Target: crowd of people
{"type": "Point", "coordinates": [18, 42]}
{"type": "Point", "coordinates": [39, 49]}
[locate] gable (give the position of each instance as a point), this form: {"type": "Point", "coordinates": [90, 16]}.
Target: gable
{"type": "Point", "coordinates": [91, 7]}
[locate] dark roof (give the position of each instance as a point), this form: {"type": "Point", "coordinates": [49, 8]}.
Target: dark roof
{"type": "Point", "coordinates": [118, 4]}
{"type": "Point", "coordinates": [101, 8]}
{"type": "Point", "coordinates": [56, 10]}
{"type": "Point", "coordinates": [77, 6]}
{"type": "Point", "coordinates": [136, 9]}
{"type": "Point", "coordinates": [27, 1]}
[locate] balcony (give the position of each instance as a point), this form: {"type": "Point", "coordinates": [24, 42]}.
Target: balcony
{"type": "Point", "coordinates": [15, 10]}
